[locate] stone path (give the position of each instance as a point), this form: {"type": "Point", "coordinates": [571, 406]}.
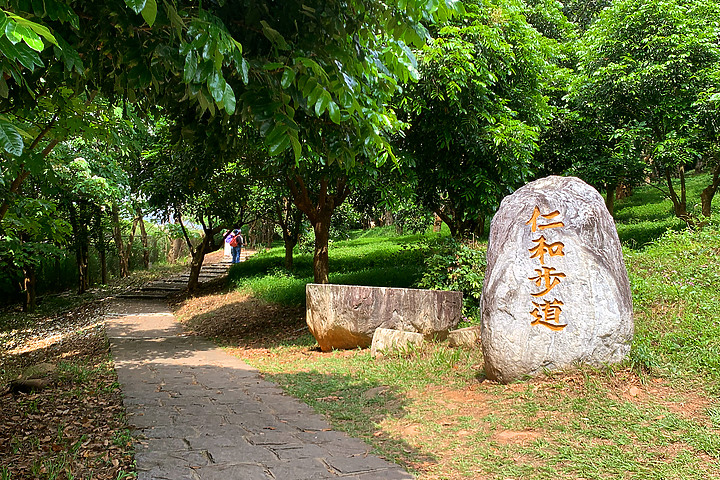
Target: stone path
{"type": "Point", "coordinates": [200, 413]}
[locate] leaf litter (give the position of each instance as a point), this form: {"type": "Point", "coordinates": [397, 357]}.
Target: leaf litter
{"type": "Point", "coordinates": [75, 427]}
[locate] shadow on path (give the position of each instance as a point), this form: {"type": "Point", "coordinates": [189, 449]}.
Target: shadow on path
{"type": "Point", "coordinates": [200, 413]}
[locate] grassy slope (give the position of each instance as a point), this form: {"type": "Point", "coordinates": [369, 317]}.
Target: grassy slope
{"type": "Point", "coordinates": [647, 214]}
{"type": "Point", "coordinates": [657, 416]}
{"type": "Point", "coordinates": [365, 259]}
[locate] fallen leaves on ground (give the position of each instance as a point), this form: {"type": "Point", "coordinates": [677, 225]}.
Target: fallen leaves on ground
{"type": "Point", "coordinates": [239, 319]}
{"type": "Point", "coordinates": [74, 428]}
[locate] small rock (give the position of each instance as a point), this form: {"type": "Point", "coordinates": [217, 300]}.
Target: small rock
{"type": "Point", "coordinates": [387, 339]}
{"type": "Point", "coordinates": [464, 337]}
{"type": "Point", "coordinates": [374, 392]}
{"type": "Point", "coordinates": [41, 370]}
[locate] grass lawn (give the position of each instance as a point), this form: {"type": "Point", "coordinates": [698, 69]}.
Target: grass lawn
{"type": "Point", "coordinates": [656, 416]}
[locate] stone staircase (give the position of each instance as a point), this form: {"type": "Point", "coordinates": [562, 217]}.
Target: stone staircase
{"type": "Point", "coordinates": [167, 287]}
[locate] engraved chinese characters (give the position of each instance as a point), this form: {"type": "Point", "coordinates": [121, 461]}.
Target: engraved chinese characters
{"type": "Point", "coordinates": [556, 290]}
{"type": "Point", "coordinates": [547, 313]}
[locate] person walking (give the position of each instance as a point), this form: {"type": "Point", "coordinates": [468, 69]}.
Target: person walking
{"type": "Point", "coordinates": [236, 242]}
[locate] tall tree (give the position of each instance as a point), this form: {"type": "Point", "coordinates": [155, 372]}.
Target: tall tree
{"type": "Point", "coordinates": [289, 67]}
{"type": "Point", "coordinates": [644, 69]}
{"type": "Point", "coordinates": [476, 113]}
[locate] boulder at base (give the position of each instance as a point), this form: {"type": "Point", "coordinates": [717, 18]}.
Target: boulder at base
{"type": "Point", "coordinates": [387, 340]}
{"type": "Point", "coordinates": [346, 316]}
{"type": "Point", "coordinates": [465, 337]}
{"type": "Point", "coordinates": [556, 289]}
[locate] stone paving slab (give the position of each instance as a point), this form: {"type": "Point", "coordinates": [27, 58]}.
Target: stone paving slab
{"type": "Point", "coordinates": [199, 413]}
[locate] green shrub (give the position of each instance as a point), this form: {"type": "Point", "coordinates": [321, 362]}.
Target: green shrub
{"type": "Point", "coordinates": [454, 265]}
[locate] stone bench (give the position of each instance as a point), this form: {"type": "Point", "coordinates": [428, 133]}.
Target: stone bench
{"type": "Point", "coordinates": [346, 316]}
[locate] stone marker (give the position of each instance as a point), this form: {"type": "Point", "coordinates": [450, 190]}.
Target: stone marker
{"type": "Point", "coordinates": [464, 337]}
{"type": "Point", "coordinates": [346, 316]}
{"type": "Point", "coordinates": [387, 339]}
{"type": "Point", "coordinates": [556, 290]}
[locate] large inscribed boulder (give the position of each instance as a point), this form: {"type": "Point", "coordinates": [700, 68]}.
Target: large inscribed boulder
{"type": "Point", "coordinates": [556, 290]}
{"type": "Point", "coordinates": [346, 316]}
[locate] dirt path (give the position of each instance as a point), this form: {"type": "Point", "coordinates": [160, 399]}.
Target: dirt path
{"type": "Point", "coordinates": [200, 413]}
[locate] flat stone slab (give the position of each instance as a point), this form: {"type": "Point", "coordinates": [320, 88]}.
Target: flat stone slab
{"type": "Point", "coordinates": [465, 337]}
{"type": "Point", "coordinates": [200, 413]}
{"type": "Point", "coordinates": [387, 340]}
{"type": "Point", "coordinates": [346, 316]}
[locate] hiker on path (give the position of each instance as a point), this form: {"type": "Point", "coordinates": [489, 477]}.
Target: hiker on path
{"type": "Point", "coordinates": [236, 242]}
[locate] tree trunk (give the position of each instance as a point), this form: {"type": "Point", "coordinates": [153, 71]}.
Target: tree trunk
{"type": "Point", "coordinates": [176, 245]}
{"type": "Point", "coordinates": [480, 226]}
{"type": "Point", "coordinates": [707, 195]}
{"type": "Point", "coordinates": [679, 203]}
{"type": "Point", "coordinates": [101, 245]}
{"type": "Point", "coordinates": [144, 240]}
{"type": "Point", "coordinates": [319, 215]}
{"type": "Point", "coordinates": [198, 256]}
{"type": "Point", "coordinates": [437, 223]}
{"type": "Point", "coordinates": [103, 266]}
{"type": "Point", "coordinates": [81, 245]}
{"type": "Point", "coordinates": [388, 218]}
{"type": "Point", "coordinates": [610, 198]}
{"type": "Point", "coordinates": [321, 260]}
{"type": "Point", "coordinates": [441, 214]}
{"type": "Point", "coordinates": [117, 234]}
{"type": "Point", "coordinates": [289, 246]}
{"type": "Point", "coordinates": [83, 259]}
{"type": "Point", "coordinates": [131, 238]}
{"type": "Point", "coordinates": [290, 220]}
{"type": "Point", "coordinates": [29, 284]}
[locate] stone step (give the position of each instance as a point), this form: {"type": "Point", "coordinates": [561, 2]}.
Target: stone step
{"type": "Point", "coordinates": [148, 295]}
{"type": "Point", "coordinates": [157, 286]}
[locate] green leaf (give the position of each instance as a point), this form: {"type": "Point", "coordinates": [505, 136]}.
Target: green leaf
{"type": "Point", "coordinates": [334, 112]}
{"type": "Point", "coordinates": [229, 100]}
{"type": "Point", "coordinates": [272, 66]}
{"type": "Point", "coordinates": [322, 103]}
{"type": "Point", "coordinates": [278, 140]}
{"type": "Point", "coordinates": [136, 5]}
{"type": "Point", "coordinates": [10, 139]}
{"type": "Point", "coordinates": [175, 21]}
{"type": "Point", "coordinates": [315, 95]}
{"type": "Point", "coordinates": [216, 84]}
{"type": "Point", "coordinates": [274, 36]}
{"type": "Point", "coordinates": [44, 32]}
{"type": "Point", "coordinates": [191, 66]}
{"type": "Point", "coordinates": [277, 132]}
{"type": "Point", "coordinates": [287, 77]}
{"type": "Point", "coordinates": [149, 12]}
{"type": "Point", "coordinates": [3, 87]}
{"type": "Point", "coordinates": [12, 33]}
{"type": "Point", "coordinates": [297, 148]}
{"type": "Point", "coordinates": [21, 53]}
{"type": "Point", "coordinates": [310, 86]}
{"type": "Point", "coordinates": [205, 104]}
{"type": "Point", "coordinates": [278, 147]}
{"type": "Point", "coordinates": [30, 28]}
{"type": "Point", "coordinates": [16, 32]}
